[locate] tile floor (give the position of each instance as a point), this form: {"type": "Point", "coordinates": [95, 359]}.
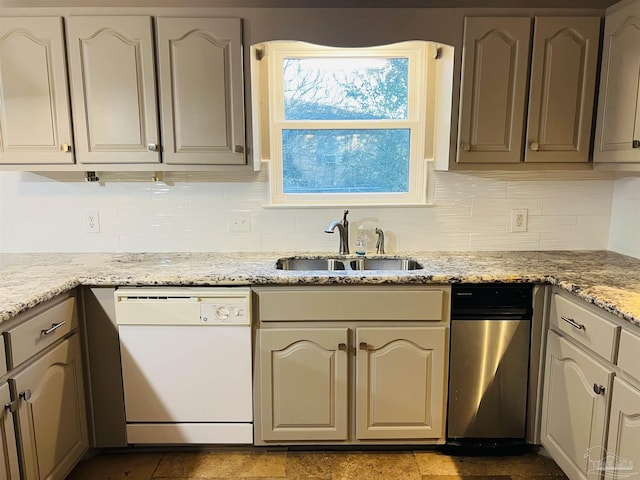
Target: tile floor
{"type": "Point", "coordinates": [261, 464]}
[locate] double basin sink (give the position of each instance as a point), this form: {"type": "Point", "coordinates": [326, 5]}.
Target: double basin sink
{"type": "Point", "coordinates": [338, 264]}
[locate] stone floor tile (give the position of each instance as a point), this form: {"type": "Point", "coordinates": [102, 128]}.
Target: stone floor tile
{"type": "Point", "coordinates": [375, 466]}
{"type": "Point", "coordinates": [125, 466]}
{"type": "Point", "coordinates": [436, 463]}
{"type": "Point", "coordinates": [315, 465]}
{"type": "Point", "coordinates": [234, 464]}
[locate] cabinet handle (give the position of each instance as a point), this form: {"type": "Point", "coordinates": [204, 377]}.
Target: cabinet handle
{"type": "Point", "coordinates": [26, 395]}
{"type": "Point", "coordinates": [152, 147]}
{"type": "Point", "coordinates": [573, 323]}
{"type": "Point", "coordinates": [342, 347]}
{"type": "Point", "coordinates": [65, 147]}
{"type": "Point", "coordinates": [54, 326]}
{"type": "Point", "coordinates": [635, 144]}
{"type": "Point", "coordinates": [599, 389]}
{"type": "Point", "coordinates": [534, 146]}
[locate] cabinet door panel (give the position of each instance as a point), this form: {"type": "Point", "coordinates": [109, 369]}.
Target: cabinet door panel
{"type": "Point", "coordinates": [35, 123]}
{"type": "Point", "coordinates": [303, 382]}
{"type": "Point", "coordinates": [400, 383]}
{"type": "Point", "coordinates": [8, 453]}
{"type": "Point", "coordinates": [496, 53]}
{"type": "Point", "coordinates": [623, 450]}
{"type": "Point", "coordinates": [573, 414]}
{"type": "Point", "coordinates": [619, 101]}
{"type": "Point", "coordinates": [51, 415]}
{"type": "Point", "coordinates": [561, 95]}
{"type": "Point", "coordinates": [201, 90]}
{"type": "Point", "coordinates": [113, 89]}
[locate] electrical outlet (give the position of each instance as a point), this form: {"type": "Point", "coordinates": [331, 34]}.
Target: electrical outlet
{"type": "Point", "coordinates": [519, 218]}
{"type": "Point", "coordinates": [92, 222]}
{"type": "Point", "coordinates": [239, 221]}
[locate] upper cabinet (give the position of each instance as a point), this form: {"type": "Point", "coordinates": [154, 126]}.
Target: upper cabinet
{"type": "Point", "coordinates": [618, 127]}
{"type": "Point", "coordinates": [113, 89]}
{"type": "Point", "coordinates": [201, 90]}
{"type": "Point", "coordinates": [495, 81]}
{"type": "Point", "coordinates": [115, 64]}
{"type": "Point", "coordinates": [35, 122]}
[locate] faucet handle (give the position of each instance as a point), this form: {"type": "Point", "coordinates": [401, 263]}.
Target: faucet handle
{"type": "Point", "coordinates": [380, 242]}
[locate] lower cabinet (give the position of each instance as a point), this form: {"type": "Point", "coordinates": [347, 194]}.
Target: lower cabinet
{"type": "Point", "coordinates": [51, 412]}
{"type": "Point", "coordinates": [574, 410]}
{"type": "Point", "coordinates": [306, 383]}
{"type": "Point", "coordinates": [8, 453]}
{"type": "Point", "coordinates": [623, 452]}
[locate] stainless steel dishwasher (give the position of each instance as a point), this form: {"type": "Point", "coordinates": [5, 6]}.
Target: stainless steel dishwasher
{"type": "Point", "coordinates": [489, 364]}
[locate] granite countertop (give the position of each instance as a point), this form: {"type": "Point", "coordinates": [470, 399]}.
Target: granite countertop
{"type": "Point", "coordinates": [606, 279]}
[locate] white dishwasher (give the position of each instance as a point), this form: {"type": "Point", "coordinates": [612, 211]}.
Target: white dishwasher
{"type": "Point", "coordinates": [186, 364]}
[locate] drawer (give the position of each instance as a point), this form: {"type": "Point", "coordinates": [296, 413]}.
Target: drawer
{"type": "Point", "coordinates": [352, 303]}
{"type": "Point", "coordinates": [38, 332]}
{"type": "Point", "coordinates": [628, 354]}
{"type": "Point", "coordinates": [587, 327]}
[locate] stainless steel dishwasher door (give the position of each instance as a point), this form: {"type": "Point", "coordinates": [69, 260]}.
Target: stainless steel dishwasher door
{"type": "Point", "coordinates": [489, 364]}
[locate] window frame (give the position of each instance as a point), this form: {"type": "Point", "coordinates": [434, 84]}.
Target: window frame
{"type": "Point", "coordinates": [419, 121]}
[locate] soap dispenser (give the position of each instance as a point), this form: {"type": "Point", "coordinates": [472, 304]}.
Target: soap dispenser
{"type": "Point", "coordinates": [361, 241]}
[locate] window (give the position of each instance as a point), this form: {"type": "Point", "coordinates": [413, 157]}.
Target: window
{"type": "Point", "coordinates": [347, 126]}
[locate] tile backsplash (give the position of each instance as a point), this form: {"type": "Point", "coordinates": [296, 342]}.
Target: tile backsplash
{"type": "Point", "coordinates": [194, 212]}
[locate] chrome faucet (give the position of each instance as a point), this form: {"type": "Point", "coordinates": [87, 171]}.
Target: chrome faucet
{"type": "Point", "coordinates": [343, 230]}
{"type": "Point", "coordinates": [380, 242]}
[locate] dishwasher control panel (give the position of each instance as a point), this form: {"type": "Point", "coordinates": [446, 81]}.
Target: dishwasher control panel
{"type": "Point", "coordinates": [183, 306]}
{"type": "Point", "coordinates": [224, 311]}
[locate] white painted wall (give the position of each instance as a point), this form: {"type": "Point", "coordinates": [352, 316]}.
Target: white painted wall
{"type": "Point", "coordinates": [567, 210]}
{"type": "Point", "coordinates": [625, 217]}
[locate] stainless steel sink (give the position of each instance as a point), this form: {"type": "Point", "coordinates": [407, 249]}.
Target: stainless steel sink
{"type": "Point", "coordinates": [385, 264]}
{"type": "Point", "coordinates": [357, 264]}
{"type": "Point", "coordinates": [309, 264]}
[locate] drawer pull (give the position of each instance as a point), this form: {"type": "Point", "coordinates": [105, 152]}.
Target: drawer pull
{"type": "Point", "coordinates": [26, 395]}
{"type": "Point", "coordinates": [54, 326]}
{"type": "Point", "coordinates": [342, 347]}
{"type": "Point", "coordinates": [572, 322]}
{"type": "Point", "coordinates": [598, 389]}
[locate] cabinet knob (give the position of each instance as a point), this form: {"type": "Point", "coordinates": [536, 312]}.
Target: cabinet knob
{"type": "Point", "coordinates": [598, 389]}
{"type": "Point", "coordinates": [65, 147]}
{"type": "Point", "coordinates": [364, 346]}
{"type": "Point", "coordinates": [465, 147]}
{"type": "Point", "coordinates": [635, 144]}
{"type": "Point", "coordinates": [153, 147]}
{"type": "Point", "coordinates": [26, 395]}
{"type": "Point", "coordinates": [239, 149]}
{"type": "Point", "coordinates": [534, 146]}
{"type": "Point", "coordinates": [342, 347]}
{"type": "Point", "coordinates": [10, 407]}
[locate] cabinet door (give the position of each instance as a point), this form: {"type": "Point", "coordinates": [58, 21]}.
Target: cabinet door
{"type": "Point", "coordinates": [201, 90]}
{"type": "Point", "coordinates": [618, 126]}
{"type": "Point", "coordinates": [8, 453]}
{"type": "Point", "coordinates": [562, 89]}
{"type": "Point", "coordinates": [573, 413]}
{"type": "Point", "coordinates": [303, 384]}
{"type": "Point", "coordinates": [113, 89]}
{"type": "Point", "coordinates": [51, 412]}
{"type": "Point", "coordinates": [623, 450]}
{"type": "Point", "coordinates": [493, 90]}
{"type": "Point", "coordinates": [35, 124]}
{"type": "Point", "coordinates": [400, 383]}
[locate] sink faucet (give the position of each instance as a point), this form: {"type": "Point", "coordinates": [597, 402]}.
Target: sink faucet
{"type": "Point", "coordinates": [343, 230]}
{"type": "Point", "coordinates": [380, 242]}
